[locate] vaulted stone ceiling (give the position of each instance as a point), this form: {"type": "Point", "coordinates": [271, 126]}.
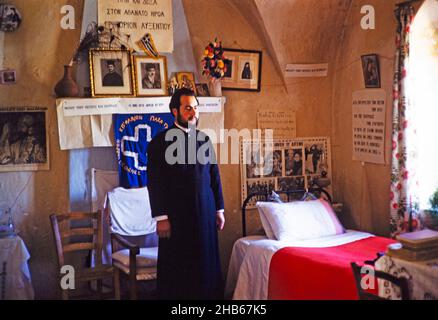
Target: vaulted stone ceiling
{"type": "Point", "coordinates": [297, 31]}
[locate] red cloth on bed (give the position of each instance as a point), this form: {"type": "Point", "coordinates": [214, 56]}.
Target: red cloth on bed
{"type": "Point", "coordinates": [297, 273]}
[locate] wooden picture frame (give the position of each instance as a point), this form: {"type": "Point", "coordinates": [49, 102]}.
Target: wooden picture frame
{"type": "Point", "coordinates": [370, 70]}
{"type": "Point", "coordinates": [150, 76]}
{"type": "Point", "coordinates": [111, 73]}
{"type": "Point", "coordinates": [202, 90]}
{"type": "Point", "coordinates": [244, 70]}
{"type": "Point", "coordinates": [186, 80]}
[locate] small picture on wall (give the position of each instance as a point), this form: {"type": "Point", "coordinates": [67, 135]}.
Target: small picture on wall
{"type": "Point", "coordinates": [370, 69]}
{"type": "Point", "coordinates": [150, 76]}
{"type": "Point", "coordinates": [111, 73]}
{"type": "Point", "coordinates": [186, 80]}
{"type": "Point", "coordinates": [202, 90]}
{"type": "Point", "coordinates": [8, 77]}
{"type": "Point", "coordinates": [244, 70]}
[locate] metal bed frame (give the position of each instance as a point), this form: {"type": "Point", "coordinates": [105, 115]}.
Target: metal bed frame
{"type": "Point", "coordinates": [289, 193]}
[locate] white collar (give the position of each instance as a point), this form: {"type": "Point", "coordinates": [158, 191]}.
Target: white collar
{"type": "Point", "coordinates": [186, 130]}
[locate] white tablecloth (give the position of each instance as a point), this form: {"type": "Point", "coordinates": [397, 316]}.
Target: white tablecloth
{"type": "Point", "coordinates": [16, 284]}
{"type": "Point", "coordinates": [422, 277]}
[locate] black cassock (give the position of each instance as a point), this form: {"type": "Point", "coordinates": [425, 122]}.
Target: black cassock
{"type": "Point", "coordinates": [189, 193]}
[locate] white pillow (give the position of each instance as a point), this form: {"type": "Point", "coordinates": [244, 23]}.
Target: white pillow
{"type": "Point", "coordinates": [266, 225]}
{"type": "Point", "coordinates": [300, 220]}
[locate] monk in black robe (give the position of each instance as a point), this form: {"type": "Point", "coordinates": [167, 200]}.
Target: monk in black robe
{"type": "Point", "coordinates": [186, 200]}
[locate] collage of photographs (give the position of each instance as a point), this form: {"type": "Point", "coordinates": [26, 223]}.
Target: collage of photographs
{"type": "Point", "coordinates": [289, 164]}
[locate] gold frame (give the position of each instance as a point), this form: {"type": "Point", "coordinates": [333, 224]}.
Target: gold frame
{"type": "Point", "coordinates": [191, 75]}
{"type": "Point", "coordinates": [162, 61]}
{"type": "Point", "coordinates": [93, 68]}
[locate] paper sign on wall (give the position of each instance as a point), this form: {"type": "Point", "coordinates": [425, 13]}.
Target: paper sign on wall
{"type": "Point", "coordinates": [281, 121]}
{"type": "Point", "coordinates": [138, 17]}
{"type": "Point", "coordinates": [369, 108]}
{"type": "Point", "coordinates": [306, 70]}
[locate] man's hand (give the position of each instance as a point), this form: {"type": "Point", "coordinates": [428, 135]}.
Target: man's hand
{"type": "Point", "coordinates": [163, 228]}
{"type": "Point", "coordinates": [220, 220]}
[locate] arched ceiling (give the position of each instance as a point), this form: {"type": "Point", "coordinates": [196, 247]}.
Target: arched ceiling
{"type": "Point", "coordinates": [297, 31]}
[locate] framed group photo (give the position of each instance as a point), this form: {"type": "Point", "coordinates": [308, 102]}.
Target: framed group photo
{"type": "Point", "coordinates": [111, 73]}
{"type": "Point", "coordinates": [244, 70]}
{"type": "Point", "coordinates": [150, 76]}
{"type": "Point", "coordinates": [370, 69]}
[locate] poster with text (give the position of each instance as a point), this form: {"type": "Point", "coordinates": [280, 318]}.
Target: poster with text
{"type": "Point", "coordinates": [369, 107]}
{"type": "Point", "coordinates": [139, 17]}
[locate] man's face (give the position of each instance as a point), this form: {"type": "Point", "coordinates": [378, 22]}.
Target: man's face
{"type": "Point", "coordinates": [111, 68]}
{"type": "Point", "coordinates": [150, 73]}
{"type": "Point", "coordinates": [188, 114]}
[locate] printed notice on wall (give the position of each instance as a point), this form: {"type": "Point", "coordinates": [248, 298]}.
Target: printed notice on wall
{"type": "Point", "coordinates": [369, 126]}
{"type": "Point", "coordinates": [306, 70]}
{"type": "Point", "coordinates": [138, 17]}
{"type": "Point", "coordinates": [281, 121]}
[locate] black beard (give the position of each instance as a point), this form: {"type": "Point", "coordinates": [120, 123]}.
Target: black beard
{"type": "Point", "coordinates": [182, 123]}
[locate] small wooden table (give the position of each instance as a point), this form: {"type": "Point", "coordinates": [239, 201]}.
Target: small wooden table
{"type": "Point", "coordinates": [15, 279]}
{"type": "Point", "coordinates": [422, 277]}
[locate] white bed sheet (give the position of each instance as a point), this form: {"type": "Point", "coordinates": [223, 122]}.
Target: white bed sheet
{"type": "Point", "coordinates": [248, 272]}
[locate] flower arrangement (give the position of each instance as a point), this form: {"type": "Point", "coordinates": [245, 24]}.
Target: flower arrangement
{"type": "Point", "coordinates": [213, 61]}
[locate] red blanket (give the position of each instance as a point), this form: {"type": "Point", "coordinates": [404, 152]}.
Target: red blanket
{"type": "Point", "coordinates": [320, 273]}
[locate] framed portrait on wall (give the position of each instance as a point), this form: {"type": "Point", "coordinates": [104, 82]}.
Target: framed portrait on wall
{"type": "Point", "coordinates": [111, 73]}
{"type": "Point", "coordinates": [370, 69]}
{"type": "Point", "coordinates": [24, 140]}
{"type": "Point", "coordinates": [244, 70]}
{"type": "Point", "coordinates": [186, 80]}
{"type": "Point", "coordinates": [150, 76]}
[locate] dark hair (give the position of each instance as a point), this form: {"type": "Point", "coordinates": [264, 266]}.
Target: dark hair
{"type": "Point", "coordinates": [175, 101]}
{"type": "Point", "coordinates": [109, 62]}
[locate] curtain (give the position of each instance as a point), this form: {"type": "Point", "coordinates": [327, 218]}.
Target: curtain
{"type": "Point", "coordinates": [404, 206]}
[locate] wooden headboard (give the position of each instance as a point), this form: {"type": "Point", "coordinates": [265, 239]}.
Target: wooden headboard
{"type": "Point", "coordinates": [291, 196]}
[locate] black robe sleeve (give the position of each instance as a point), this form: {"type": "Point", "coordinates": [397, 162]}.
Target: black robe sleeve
{"type": "Point", "coordinates": [216, 186]}
{"type": "Point", "coordinates": [157, 180]}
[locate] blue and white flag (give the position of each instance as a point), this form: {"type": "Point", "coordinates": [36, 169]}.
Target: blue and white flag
{"type": "Point", "coordinates": [133, 132]}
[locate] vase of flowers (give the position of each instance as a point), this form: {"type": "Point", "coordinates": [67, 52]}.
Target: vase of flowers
{"type": "Point", "coordinates": [214, 67]}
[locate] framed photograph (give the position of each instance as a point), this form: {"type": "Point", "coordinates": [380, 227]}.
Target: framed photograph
{"type": "Point", "coordinates": [370, 69]}
{"type": "Point", "coordinates": [202, 90]}
{"type": "Point", "coordinates": [244, 70]}
{"type": "Point", "coordinates": [186, 80]}
{"type": "Point", "coordinates": [150, 76]}
{"type": "Point", "coordinates": [111, 73]}
{"type": "Point", "coordinates": [8, 77]}
{"type": "Point", "coordinates": [24, 144]}
{"type": "Point", "coordinates": [283, 164]}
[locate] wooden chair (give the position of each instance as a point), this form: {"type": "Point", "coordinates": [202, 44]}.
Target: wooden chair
{"type": "Point", "coordinates": [401, 283]}
{"type": "Point", "coordinates": [71, 236]}
{"type": "Point", "coordinates": [134, 242]}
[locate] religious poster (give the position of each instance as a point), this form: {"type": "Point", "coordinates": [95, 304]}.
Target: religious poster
{"type": "Point", "coordinates": [133, 132]}
{"type": "Point", "coordinates": [369, 126]}
{"type": "Point", "coordinates": [306, 70]}
{"type": "Point", "coordinates": [284, 165]}
{"type": "Point", "coordinates": [23, 139]}
{"type": "Point", "coordinates": [281, 121]}
{"type": "Point", "coordinates": [138, 18]}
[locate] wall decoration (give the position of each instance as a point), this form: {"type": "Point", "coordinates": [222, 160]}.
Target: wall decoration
{"type": "Point", "coordinates": [139, 17]}
{"type": "Point", "coordinates": [8, 76]}
{"type": "Point", "coordinates": [243, 70]}
{"type": "Point", "coordinates": [281, 121]}
{"type": "Point", "coordinates": [283, 164]}
{"type": "Point", "coordinates": [133, 132]}
{"type": "Point", "coordinates": [370, 69]}
{"type": "Point", "coordinates": [202, 90]}
{"type": "Point", "coordinates": [186, 80]}
{"type": "Point", "coordinates": [150, 76]}
{"type": "Point", "coordinates": [368, 110]}
{"type": "Point", "coordinates": [10, 18]}
{"type": "Point", "coordinates": [111, 73]}
{"type": "Point", "coordinates": [23, 139]}
{"type": "Point", "coordinates": [306, 70]}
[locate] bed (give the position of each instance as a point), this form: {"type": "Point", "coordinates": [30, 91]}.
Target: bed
{"type": "Point", "coordinates": [303, 269]}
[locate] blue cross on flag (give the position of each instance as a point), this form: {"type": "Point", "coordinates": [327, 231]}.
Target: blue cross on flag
{"type": "Point", "coordinates": [133, 132]}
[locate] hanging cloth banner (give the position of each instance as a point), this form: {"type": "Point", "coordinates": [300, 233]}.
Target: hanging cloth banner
{"type": "Point", "coordinates": [133, 132]}
{"type": "Point", "coordinates": [138, 17]}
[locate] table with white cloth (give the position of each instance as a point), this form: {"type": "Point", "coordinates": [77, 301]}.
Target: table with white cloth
{"type": "Point", "coordinates": [422, 277]}
{"type": "Point", "coordinates": [15, 279]}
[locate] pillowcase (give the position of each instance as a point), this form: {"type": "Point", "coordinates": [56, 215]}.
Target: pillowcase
{"type": "Point", "coordinates": [299, 220]}
{"type": "Point", "coordinates": [273, 197]}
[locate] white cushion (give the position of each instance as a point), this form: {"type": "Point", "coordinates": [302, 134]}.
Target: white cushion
{"type": "Point", "coordinates": [142, 273]}
{"type": "Point", "coordinates": [146, 258]}
{"type": "Point", "coordinates": [266, 225]}
{"type": "Point", "coordinates": [300, 220]}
